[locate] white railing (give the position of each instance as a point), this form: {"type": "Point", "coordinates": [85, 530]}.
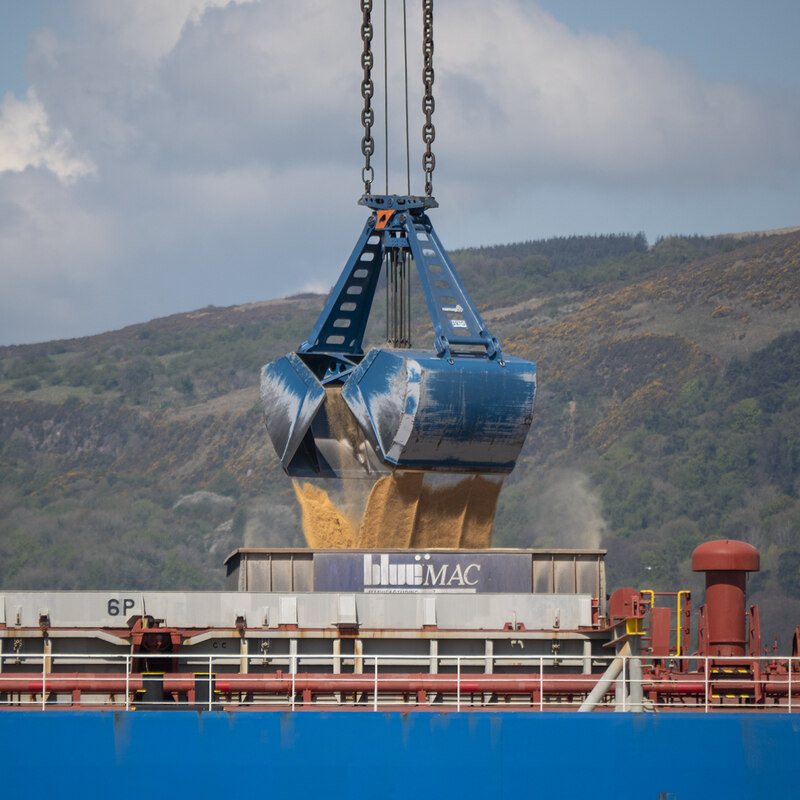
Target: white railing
{"type": "Point", "coordinates": [380, 681]}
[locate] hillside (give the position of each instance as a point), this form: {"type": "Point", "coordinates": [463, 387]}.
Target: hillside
{"type": "Point", "coordinates": [668, 413]}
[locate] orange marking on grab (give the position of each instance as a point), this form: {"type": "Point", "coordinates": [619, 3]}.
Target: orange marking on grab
{"type": "Point", "coordinates": [383, 219]}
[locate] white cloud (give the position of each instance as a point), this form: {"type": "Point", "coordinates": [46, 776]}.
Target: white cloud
{"type": "Point", "coordinates": [147, 28]}
{"type": "Point", "coordinates": [538, 102]}
{"type": "Point", "coordinates": [175, 154]}
{"type": "Point", "coordinates": [27, 140]}
{"type": "Point", "coordinates": [55, 254]}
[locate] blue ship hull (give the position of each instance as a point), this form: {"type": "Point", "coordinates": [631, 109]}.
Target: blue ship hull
{"type": "Point", "coordinates": [328, 755]}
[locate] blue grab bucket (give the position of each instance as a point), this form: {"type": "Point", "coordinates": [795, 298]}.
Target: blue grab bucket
{"type": "Point", "coordinates": [400, 409]}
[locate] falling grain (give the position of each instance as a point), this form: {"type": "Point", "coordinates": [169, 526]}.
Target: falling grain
{"type": "Point", "coordinates": [406, 509]}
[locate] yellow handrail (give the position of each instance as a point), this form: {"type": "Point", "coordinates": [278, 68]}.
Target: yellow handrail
{"type": "Point", "coordinates": [679, 632]}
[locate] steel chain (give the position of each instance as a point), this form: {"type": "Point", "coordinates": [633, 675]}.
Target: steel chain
{"type": "Point", "coordinates": [367, 90]}
{"type": "Point", "coordinates": [428, 131]}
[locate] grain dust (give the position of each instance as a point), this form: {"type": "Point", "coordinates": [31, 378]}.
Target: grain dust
{"type": "Point", "coordinates": [325, 525]}
{"type": "Point", "coordinates": [482, 495]}
{"type": "Point", "coordinates": [342, 424]}
{"type": "Point", "coordinates": [391, 513]}
{"type": "Point", "coordinates": [405, 509]}
{"type": "Point", "coordinates": [456, 512]}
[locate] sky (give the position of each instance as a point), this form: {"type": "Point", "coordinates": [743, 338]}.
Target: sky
{"type": "Point", "coordinates": [159, 157]}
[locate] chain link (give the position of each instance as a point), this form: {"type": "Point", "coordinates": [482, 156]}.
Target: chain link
{"type": "Point", "coordinates": [428, 131]}
{"type": "Point", "coordinates": [367, 91]}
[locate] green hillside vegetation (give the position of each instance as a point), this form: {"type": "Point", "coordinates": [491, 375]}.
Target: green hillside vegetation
{"type": "Point", "coordinates": [668, 413]}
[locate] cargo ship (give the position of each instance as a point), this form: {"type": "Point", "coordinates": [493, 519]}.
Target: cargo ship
{"type": "Point", "coordinates": [405, 656]}
{"type": "Point", "coordinates": [474, 673]}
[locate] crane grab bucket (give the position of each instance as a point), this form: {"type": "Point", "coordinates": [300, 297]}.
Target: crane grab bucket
{"type": "Point", "coordinates": [332, 411]}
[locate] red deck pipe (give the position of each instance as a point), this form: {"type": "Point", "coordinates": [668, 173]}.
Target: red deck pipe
{"type": "Point", "coordinates": [726, 564]}
{"type": "Point", "coordinates": [405, 683]}
{"type": "Point", "coordinates": [97, 683]}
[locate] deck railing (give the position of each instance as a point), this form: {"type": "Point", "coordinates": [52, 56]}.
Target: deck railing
{"type": "Point", "coordinates": [379, 682]}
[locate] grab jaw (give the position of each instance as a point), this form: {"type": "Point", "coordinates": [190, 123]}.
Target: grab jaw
{"type": "Point", "coordinates": [332, 411]}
